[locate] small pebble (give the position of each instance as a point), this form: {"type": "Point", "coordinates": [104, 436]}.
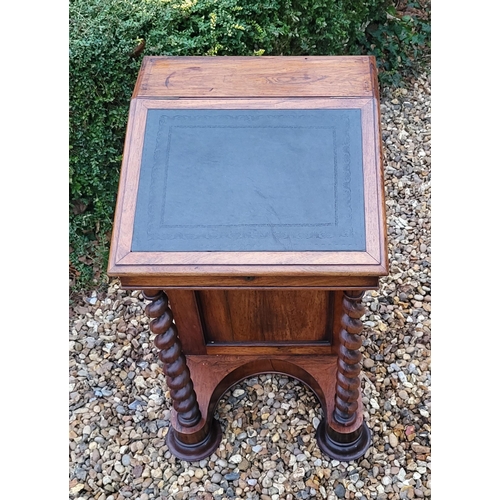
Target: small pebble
{"type": "Point", "coordinates": [393, 440]}
{"type": "Point", "coordinates": [368, 363]}
{"type": "Point", "coordinates": [340, 491]}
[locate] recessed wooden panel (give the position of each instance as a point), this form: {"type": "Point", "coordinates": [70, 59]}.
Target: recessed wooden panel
{"type": "Point", "coordinates": [271, 317]}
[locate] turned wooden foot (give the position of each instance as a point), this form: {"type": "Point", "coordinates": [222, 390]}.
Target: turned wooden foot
{"type": "Point", "coordinates": [343, 446]}
{"type": "Point", "coordinates": [347, 437]}
{"type": "Point", "coordinates": [190, 436]}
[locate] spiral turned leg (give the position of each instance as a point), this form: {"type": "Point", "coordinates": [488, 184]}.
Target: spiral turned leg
{"type": "Point", "coordinates": [351, 444]}
{"type": "Point", "coordinates": [347, 389]}
{"type": "Point", "coordinates": [200, 442]}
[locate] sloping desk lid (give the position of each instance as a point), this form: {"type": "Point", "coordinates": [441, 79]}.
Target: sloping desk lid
{"type": "Point", "coordinates": [242, 190]}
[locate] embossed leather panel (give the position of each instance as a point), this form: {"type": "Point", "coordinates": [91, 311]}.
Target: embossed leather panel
{"type": "Point", "coordinates": [251, 180]}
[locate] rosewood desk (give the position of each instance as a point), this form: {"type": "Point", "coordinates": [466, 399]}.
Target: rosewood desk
{"type": "Point", "coordinates": [250, 212]}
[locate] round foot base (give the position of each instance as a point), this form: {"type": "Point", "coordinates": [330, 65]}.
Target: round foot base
{"type": "Point", "coordinates": [196, 451]}
{"type": "Point", "coordinates": [343, 447]}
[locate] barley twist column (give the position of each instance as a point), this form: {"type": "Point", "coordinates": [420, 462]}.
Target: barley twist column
{"type": "Point", "coordinates": [190, 437]}
{"type": "Point", "coordinates": [349, 368]}
{"type": "Point", "coordinates": [345, 436]}
{"type": "Point", "coordinates": [174, 362]}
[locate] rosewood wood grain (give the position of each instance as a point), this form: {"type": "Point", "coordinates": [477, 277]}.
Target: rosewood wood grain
{"type": "Point", "coordinates": [248, 348]}
{"type": "Point", "coordinates": [377, 141]}
{"type": "Point", "coordinates": [203, 258]}
{"type": "Point", "coordinates": [187, 318]}
{"type": "Point", "coordinates": [265, 76]}
{"type": "Point", "coordinates": [175, 283]}
{"type": "Point", "coordinates": [281, 279]}
{"type": "Point", "coordinates": [266, 316]}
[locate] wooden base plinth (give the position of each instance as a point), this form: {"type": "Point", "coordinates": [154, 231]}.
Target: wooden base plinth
{"type": "Point", "coordinates": [343, 447]}
{"type": "Point", "coordinates": [213, 375]}
{"type": "Point", "coordinates": [197, 450]}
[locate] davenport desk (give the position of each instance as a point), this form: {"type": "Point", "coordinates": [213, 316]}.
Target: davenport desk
{"type": "Point", "coordinates": [250, 212]}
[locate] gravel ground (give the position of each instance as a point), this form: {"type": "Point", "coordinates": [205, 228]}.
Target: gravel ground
{"type": "Point", "coordinates": [119, 412]}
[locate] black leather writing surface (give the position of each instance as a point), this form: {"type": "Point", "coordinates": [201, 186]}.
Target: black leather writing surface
{"type": "Point", "coordinates": [251, 180]}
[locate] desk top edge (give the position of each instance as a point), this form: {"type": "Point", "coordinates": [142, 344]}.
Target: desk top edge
{"type": "Point", "coordinates": [258, 277]}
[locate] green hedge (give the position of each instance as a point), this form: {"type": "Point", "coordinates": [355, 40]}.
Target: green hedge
{"type": "Point", "coordinates": [104, 40]}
